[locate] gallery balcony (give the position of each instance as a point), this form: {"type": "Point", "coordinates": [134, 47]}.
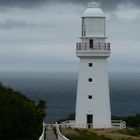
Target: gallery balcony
{"type": "Point", "coordinates": [93, 50]}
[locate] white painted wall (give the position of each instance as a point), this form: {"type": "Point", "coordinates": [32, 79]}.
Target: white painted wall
{"type": "Point", "coordinates": [99, 106]}
{"type": "Point", "coordinates": [93, 24]}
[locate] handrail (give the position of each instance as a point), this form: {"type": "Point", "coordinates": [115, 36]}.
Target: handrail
{"type": "Point", "coordinates": [94, 46]}
{"type": "Point", "coordinates": [43, 133]}
{"type": "Point", "coordinates": [119, 124]}
{"type": "Point", "coordinates": [59, 135]}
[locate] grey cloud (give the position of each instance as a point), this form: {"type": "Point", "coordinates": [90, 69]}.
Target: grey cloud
{"type": "Point", "coordinates": [36, 49]}
{"type": "Point", "coordinates": [11, 23]}
{"type": "Point", "coordinates": [22, 3]}
{"type": "Point", "coordinates": [107, 4]}
{"type": "Point", "coordinates": [8, 24]}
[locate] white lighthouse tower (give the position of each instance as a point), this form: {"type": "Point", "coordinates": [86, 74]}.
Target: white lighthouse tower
{"type": "Point", "coordinates": [93, 99]}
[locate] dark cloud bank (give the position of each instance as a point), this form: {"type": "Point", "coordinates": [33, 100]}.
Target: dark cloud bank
{"type": "Point", "coordinates": [107, 4]}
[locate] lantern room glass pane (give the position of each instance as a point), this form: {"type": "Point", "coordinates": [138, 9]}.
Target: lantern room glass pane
{"type": "Point", "coordinates": [95, 26]}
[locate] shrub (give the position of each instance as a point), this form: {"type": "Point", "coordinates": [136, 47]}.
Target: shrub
{"type": "Point", "coordinates": [20, 117]}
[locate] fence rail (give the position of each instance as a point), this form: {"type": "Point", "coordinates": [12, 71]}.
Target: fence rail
{"type": "Point", "coordinates": [94, 46]}
{"type": "Point", "coordinates": [59, 135]}
{"type": "Point", "coordinates": [117, 124]}
{"type": "Point", "coordinates": [42, 137]}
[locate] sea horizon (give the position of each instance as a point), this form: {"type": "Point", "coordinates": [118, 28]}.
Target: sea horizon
{"type": "Point", "coordinates": [59, 91]}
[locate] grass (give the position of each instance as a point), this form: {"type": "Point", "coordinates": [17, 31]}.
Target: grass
{"type": "Point", "coordinates": [131, 132]}
{"type": "Point", "coordinates": [84, 134]}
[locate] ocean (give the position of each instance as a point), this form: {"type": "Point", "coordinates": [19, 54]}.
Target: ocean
{"type": "Point", "coordinates": [59, 91]}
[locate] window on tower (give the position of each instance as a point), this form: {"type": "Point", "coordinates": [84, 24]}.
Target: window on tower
{"type": "Point", "coordinates": [90, 64]}
{"type": "Point", "coordinates": [90, 79]}
{"type": "Point", "coordinates": [89, 96]}
{"type": "Point", "coordinates": [83, 28]}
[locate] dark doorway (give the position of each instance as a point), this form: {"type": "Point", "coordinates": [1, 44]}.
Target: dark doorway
{"type": "Point", "coordinates": [91, 43]}
{"type": "Point", "coordinates": [90, 120]}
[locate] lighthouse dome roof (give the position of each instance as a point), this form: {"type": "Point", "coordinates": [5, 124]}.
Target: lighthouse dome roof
{"type": "Point", "coordinates": [93, 10]}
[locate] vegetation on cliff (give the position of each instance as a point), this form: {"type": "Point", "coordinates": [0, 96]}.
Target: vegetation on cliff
{"type": "Point", "coordinates": [20, 117]}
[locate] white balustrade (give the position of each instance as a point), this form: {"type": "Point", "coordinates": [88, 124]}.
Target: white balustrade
{"type": "Point", "coordinates": [117, 124]}
{"type": "Point", "coordinates": [42, 137]}
{"type": "Point", "coordinates": [94, 46]}
{"type": "Point", "coordinates": [59, 135]}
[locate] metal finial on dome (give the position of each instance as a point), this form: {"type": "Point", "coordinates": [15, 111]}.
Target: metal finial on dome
{"type": "Point", "coordinates": [94, 4]}
{"type": "Point", "coordinates": [93, 10]}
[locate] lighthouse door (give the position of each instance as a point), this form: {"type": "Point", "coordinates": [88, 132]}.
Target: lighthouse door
{"type": "Point", "coordinates": [91, 43]}
{"type": "Point", "coordinates": [90, 120]}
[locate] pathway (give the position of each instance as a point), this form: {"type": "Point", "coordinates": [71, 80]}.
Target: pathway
{"type": "Point", "coordinates": [50, 135]}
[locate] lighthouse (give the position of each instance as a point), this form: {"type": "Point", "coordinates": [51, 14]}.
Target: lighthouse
{"type": "Point", "coordinates": [93, 99]}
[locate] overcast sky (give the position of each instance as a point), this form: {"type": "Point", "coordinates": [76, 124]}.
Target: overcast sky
{"type": "Point", "coordinates": [40, 35]}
